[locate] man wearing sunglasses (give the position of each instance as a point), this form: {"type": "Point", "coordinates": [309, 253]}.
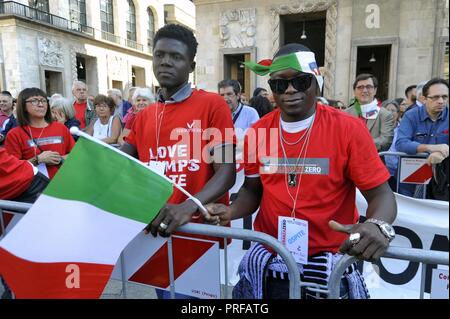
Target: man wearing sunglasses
{"type": "Point", "coordinates": [302, 163]}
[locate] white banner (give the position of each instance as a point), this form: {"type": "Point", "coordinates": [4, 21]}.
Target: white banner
{"type": "Point", "coordinates": [422, 224]}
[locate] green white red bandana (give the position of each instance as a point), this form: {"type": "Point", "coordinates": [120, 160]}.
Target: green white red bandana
{"type": "Point", "coordinates": [303, 61]}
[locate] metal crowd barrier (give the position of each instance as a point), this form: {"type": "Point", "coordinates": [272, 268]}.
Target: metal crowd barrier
{"type": "Point", "coordinates": [402, 253]}
{"type": "Point", "coordinates": [400, 155]}
{"type": "Point", "coordinates": [200, 229]}
{"type": "Point", "coordinates": [411, 254]}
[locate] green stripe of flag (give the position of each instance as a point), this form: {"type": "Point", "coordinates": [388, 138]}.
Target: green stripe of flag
{"type": "Point", "coordinates": [110, 181]}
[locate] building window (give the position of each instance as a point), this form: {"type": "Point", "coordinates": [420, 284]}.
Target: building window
{"type": "Point", "coordinates": [78, 11]}
{"type": "Point", "coordinates": [131, 21]}
{"type": "Point", "coordinates": [41, 5]}
{"type": "Point", "coordinates": [106, 16]}
{"type": "Point", "coordinates": [151, 28]}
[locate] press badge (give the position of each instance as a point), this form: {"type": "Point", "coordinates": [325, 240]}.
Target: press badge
{"type": "Point", "coordinates": [157, 167]}
{"type": "Point", "coordinates": [293, 234]}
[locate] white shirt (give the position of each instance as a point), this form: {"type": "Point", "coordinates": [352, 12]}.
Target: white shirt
{"type": "Point", "coordinates": [102, 131]}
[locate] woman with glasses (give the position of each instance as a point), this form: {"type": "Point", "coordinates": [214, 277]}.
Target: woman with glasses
{"type": "Point", "coordinates": [107, 127]}
{"type": "Point", "coordinates": [37, 138]}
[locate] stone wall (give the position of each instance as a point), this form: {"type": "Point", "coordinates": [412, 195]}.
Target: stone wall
{"type": "Point", "coordinates": [416, 29]}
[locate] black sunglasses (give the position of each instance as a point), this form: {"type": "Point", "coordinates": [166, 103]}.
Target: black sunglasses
{"type": "Point", "coordinates": [300, 83]}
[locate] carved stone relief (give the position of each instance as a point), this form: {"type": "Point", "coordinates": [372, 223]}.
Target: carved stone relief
{"type": "Point", "coordinates": [50, 53]}
{"type": "Point", "coordinates": [73, 60]}
{"type": "Point", "coordinates": [330, 6]}
{"type": "Point", "coordinates": [238, 28]}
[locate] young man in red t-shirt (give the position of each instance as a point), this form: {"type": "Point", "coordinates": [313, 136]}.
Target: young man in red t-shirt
{"type": "Point", "coordinates": [303, 163]}
{"type": "Point", "coordinates": [174, 129]}
{"type": "Point", "coordinates": [187, 133]}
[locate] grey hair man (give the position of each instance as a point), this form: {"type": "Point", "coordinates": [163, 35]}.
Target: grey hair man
{"type": "Point", "coordinates": [84, 110]}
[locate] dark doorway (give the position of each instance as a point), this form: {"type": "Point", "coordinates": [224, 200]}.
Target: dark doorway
{"type": "Point", "coordinates": [81, 68]}
{"type": "Point", "coordinates": [53, 82]}
{"type": "Point", "coordinates": [235, 70]}
{"type": "Point", "coordinates": [376, 60]}
{"type": "Point", "coordinates": [307, 29]}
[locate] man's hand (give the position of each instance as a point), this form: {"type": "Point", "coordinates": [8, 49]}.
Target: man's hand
{"type": "Point", "coordinates": [435, 158]}
{"type": "Point", "coordinates": [372, 243]}
{"type": "Point", "coordinates": [172, 216]}
{"type": "Point", "coordinates": [219, 214]}
{"type": "Point", "coordinates": [441, 148]}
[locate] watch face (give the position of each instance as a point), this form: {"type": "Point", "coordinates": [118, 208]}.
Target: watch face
{"type": "Point", "coordinates": [388, 230]}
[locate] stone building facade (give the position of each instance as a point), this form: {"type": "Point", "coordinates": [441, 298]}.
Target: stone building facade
{"type": "Point", "coordinates": [107, 43]}
{"type": "Point", "coordinates": [404, 41]}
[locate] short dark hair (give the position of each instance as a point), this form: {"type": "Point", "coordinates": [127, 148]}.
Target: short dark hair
{"type": "Point", "coordinates": [6, 93]}
{"type": "Point", "coordinates": [261, 104]}
{"type": "Point", "coordinates": [257, 91]}
{"type": "Point", "coordinates": [409, 89]}
{"type": "Point", "coordinates": [180, 33]}
{"type": "Point", "coordinates": [365, 76]}
{"type": "Point", "coordinates": [228, 82]}
{"type": "Point", "coordinates": [98, 99]}
{"type": "Point", "coordinates": [432, 82]}
{"type": "Point", "coordinates": [23, 117]}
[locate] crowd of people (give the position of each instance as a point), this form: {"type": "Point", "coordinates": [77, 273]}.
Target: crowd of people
{"type": "Point", "coordinates": [305, 184]}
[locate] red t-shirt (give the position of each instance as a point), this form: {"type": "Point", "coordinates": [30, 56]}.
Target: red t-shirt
{"type": "Point", "coordinates": [187, 121]}
{"type": "Point", "coordinates": [55, 137]}
{"type": "Point", "coordinates": [80, 109]}
{"type": "Point", "coordinates": [129, 120]}
{"type": "Point", "coordinates": [15, 175]}
{"type": "Point", "coordinates": [340, 156]}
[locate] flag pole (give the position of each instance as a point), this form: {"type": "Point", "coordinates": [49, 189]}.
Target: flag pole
{"type": "Point", "coordinates": [76, 131]}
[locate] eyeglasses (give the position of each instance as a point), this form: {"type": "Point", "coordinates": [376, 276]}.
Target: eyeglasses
{"type": "Point", "coordinates": [367, 87]}
{"type": "Point", "coordinates": [36, 102]}
{"type": "Point", "coordinates": [300, 83]}
{"type": "Point", "coordinates": [435, 98]}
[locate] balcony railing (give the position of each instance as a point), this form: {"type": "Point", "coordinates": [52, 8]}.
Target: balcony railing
{"type": "Point", "coordinates": [110, 37]}
{"type": "Point", "coordinates": [134, 45]}
{"type": "Point", "coordinates": [18, 9]}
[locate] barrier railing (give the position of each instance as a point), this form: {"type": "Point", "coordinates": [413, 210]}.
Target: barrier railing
{"type": "Point", "coordinates": [402, 253]}
{"type": "Point", "coordinates": [399, 156]}
{"type": "Point", "coordinates": [11, 207]}
{"type": "Point", "coordinates": [208, 230]}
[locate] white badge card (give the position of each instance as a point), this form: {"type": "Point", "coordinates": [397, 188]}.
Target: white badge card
{"type": "Point", "coordinates": [293, 234]}
{"type": "Point", "coordinates": [157, 167]}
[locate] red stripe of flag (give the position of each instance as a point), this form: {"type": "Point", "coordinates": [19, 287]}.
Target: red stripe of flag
{"type": "Point", "coordinates": [34, 280]}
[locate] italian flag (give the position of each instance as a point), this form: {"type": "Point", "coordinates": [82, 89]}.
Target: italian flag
{"type": "Point", "coordinates": [67, 244]}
